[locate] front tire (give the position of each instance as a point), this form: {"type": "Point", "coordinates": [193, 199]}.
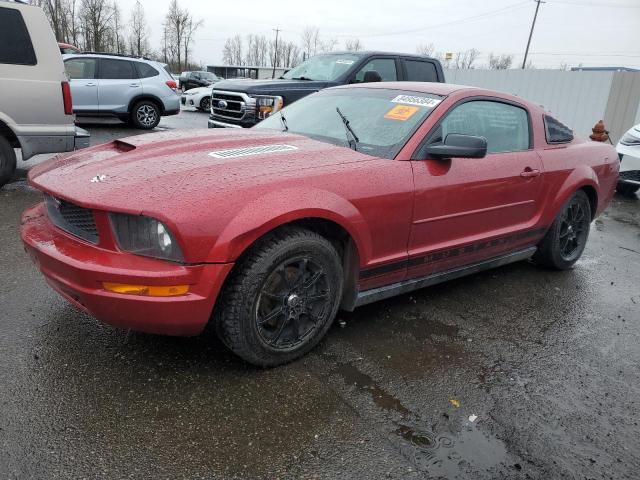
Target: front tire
{"type": "Point", "coordinates": [7, 161]}
{"type": "Point", "coordinates": [205, 104]}
{"type": "Point", "coordinates": [281, 298]}
{"type": "Point", "coordinates": [565, 241]}
{"type": "Point", "coordinates": [145, 115]}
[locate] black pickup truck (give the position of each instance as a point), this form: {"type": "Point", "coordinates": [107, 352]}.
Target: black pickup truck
{"type": "Point", "coordinates": [243, 103]}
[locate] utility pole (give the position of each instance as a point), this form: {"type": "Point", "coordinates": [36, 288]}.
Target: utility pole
{"type": "Point", "coordinates": [533, 24]}
{"type": "Point", "coordinates": [275, 53]}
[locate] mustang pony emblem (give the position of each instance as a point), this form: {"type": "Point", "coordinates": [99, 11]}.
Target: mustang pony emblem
{"type": "Point", "coordinates": [98, 178]}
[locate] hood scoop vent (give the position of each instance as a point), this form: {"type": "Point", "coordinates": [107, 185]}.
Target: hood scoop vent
{"type": "Point", "coordinates": [247, 151]}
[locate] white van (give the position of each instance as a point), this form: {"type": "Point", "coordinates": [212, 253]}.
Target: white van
{"type": "Point", "coordinates": [36, 113]}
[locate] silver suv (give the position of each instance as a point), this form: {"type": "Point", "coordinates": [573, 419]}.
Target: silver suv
{"type": "Point", "coordinates": [135, 90]}
{"type": "Point", "coordinates": [35, 100]}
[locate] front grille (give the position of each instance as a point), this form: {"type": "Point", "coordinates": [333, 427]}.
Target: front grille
{"type": "Point", "coordinates": [247, 151]}
{"type": "Point", "coordinates": [77, 221]}
{"type": "Point", "coordinates": [236, 105]}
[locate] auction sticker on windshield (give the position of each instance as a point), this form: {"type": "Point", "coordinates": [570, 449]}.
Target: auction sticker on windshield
{"type": "Point", "coordinates": [401, 112]}
{"type": "Point", "coordinates": [415, 100]}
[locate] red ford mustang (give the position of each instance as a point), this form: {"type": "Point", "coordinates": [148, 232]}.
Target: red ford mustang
{"type": "Point", "coordinates": [348, 196]}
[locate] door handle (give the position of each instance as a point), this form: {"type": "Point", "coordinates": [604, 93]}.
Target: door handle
{"type": "Point", "coordinates": [134, 85]}
{"type": "Point", "coordinates": [530, 173]}
{"type": "Point", "coordinates": [90, 84]}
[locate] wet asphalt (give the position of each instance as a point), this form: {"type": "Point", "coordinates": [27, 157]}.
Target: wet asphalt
{"type": "Point", "coordinates": [512, 373]}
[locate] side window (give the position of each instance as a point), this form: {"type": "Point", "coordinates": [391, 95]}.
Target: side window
{"type": "Point", "coordinates": [80, 68]}
{"type": "Point", "coordinates": [556, 132]}
{"type": "Point", "coordinates": [145, 70]}
{"type": "Point", "coordinates": [418, 71]}
{"type": "Point", "coordinates": [386, 67]}
{"type": "Point", "coordinates": [116, 69]}
{"type": "Point", "coordinates": [15, 43]}
{"type": "Point", "coordinates": [505, 126]}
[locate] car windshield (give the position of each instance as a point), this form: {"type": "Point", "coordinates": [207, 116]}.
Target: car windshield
{"type": "Point", "coordinates": [322, 67]}
{"type": "Point", "coordinates": [380, 120]}
{"type": "Point", "coordinates": [208, 76]}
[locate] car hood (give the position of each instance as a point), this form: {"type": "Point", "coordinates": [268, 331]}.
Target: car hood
{"type": "Point", "coordinates": [275, 86]}
{"type": "Point", "coordinates": [163, 172]}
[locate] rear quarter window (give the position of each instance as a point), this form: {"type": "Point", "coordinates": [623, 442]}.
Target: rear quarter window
{"type": "Point", "coordinates": [556, 131]}
{"type": "Point", "coordinates": [145, 70]}
{"type": "Point", "coordinates": [15, 43]}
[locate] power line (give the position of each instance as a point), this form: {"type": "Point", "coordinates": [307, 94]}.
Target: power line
{"type": "Point", "coordinates": [445, 24]}
{"type": "Point", "coordinates": [594, 4]}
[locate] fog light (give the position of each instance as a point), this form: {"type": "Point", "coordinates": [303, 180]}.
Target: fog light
{"type": "Point", "coordinates": [146, 290]}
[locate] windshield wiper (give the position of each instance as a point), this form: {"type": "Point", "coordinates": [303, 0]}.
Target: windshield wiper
{"type": "Point", "coordinates": [349, 130]}
{"type": "Point", "coordinates": [285, 127]}
{"type": "Point", "coordinates": [302, 77]}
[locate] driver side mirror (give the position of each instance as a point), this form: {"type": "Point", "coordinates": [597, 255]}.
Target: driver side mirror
{"type": "Point", "coordinates": [459, 146]}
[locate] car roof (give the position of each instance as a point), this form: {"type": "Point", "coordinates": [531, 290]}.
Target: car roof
{"type": "Point", "coordinates": [114, 57]}
{"type": "Point", "coordinates": [435, 88]}
{"type": "Point", "coordinates": [367, 53]}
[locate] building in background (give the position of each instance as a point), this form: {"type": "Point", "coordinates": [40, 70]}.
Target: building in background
{"type": "Point", "coordinates": [243, 71]}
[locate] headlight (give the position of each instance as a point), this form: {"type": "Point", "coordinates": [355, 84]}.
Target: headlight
{"type": "Point", "coordinates": [266, 106]}
{"type": "Point", "coordinates": [145, 236]}
{"type": "Point", "coordinates": [628, 139]}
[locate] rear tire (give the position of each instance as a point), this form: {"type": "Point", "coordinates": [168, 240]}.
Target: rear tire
{"type": "Point", "coordinates": [7, 161]}
{"type": "Point", "coordinates": [145, 115]}
{"type": "Point", "coordinates": [565, 241]}
{"type": "Point", "coordinates": [281, 298]}
{"type": "Point", "coordinates": [627, 189]}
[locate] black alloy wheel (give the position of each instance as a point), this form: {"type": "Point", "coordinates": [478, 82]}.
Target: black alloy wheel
{"type": "Point", "coordinates": [292, 303]}
{"type": "Point", "coordinates": [567, 237]}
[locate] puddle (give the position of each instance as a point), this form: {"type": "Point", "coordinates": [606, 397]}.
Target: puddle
{"type": "Point", "coordinates": [353, 376]}
{"type": "Point", "coordinates": [445, 454]}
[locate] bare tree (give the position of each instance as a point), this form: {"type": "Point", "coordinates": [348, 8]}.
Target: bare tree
{"type": "Point", "coordinates": [232, 51]}
{"type": "Point", "coordinates": [139, 32]}
{"type": "Point", "coordinates": [427, 49]}
{"type": "Point", "coordinates": [257, 50]}
{"type": "Point", "coordinates": [190, 29]}
{"type": "Point", "coordinates": [500, 62]}
{"type": "Point", "coordinates": [353, 45]}
{"type": "Point", "coordinates": [310, 41]}
{"type": "Point", "coordinates": [329, 44]}
{"type": "Point", "coordinates": [96, 16]}
{"type": "Point", "coordinates": [465, 60]}
{"type": "Point", "coordinates": [179, 28]}
{"type": "Point", "coordinates": [563, 66]}
{"type": "Point", "coordinates": [118, 43]}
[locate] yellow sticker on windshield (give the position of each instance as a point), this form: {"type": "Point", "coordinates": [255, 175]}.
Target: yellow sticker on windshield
{"type": "Point", "coordinates": [401, 112]}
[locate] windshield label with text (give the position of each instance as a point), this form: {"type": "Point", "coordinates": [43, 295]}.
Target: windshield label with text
{"type": "Point", "coordinates": [419, 101]}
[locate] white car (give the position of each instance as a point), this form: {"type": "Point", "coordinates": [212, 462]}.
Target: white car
{"type": "Point", "coordinates": [629, 152]}
{"type": "Point", "coordinates": [199, 98]}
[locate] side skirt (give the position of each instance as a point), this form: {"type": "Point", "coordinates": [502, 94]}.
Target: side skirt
{"type": "Point", "coordinates": [388, 291]}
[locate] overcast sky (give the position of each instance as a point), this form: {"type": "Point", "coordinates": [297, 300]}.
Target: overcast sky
{"type": "Point", "coordinates": [591, 32]}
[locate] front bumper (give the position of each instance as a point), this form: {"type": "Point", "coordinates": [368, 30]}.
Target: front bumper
{"type": "Point", "coordinates": [77, 270]}
{"type": "Point", "coordinates": [217, 124]}
{"type": "Point", "coordinates": [629, 169]}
